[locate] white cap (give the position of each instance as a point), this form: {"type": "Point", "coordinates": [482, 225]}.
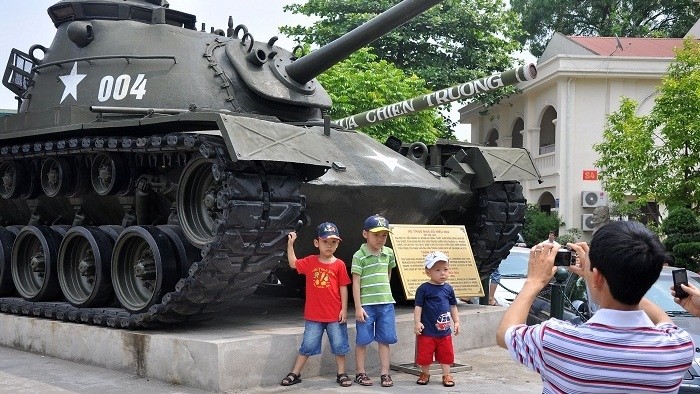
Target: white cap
{"type": "Point", "coordinates": [434, 257]}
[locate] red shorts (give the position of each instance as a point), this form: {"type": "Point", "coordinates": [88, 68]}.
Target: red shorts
{"type": "Point", "coordinates": [427, 346]}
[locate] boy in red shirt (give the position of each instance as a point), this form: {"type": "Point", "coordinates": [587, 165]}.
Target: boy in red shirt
{"type": "Point", "coordinates": [326, 306]}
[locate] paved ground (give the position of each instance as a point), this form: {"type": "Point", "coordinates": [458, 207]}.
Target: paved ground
{"type": "Point", "coordinates": [23, 372]}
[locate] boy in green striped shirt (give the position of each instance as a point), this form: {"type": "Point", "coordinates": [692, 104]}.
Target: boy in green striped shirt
{"type": "Point", "coordinates": [374, 304]}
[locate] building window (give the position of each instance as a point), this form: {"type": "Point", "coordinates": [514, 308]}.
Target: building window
{"type": "Point", "coordinates": [491, 138]}
{"type": "Point", "coordinates": [516, 134]}
{"type": "Point", "coordinates": [547, 130]}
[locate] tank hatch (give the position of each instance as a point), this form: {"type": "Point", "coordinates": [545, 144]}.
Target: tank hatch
{"type": "Point", "coordinates": [145, 11]}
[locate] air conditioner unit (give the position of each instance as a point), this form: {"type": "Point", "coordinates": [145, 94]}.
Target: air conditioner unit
{"type": "Point", "coordinates": [587, 223]}
{"type": "Point", "coordinates": [593, 199]}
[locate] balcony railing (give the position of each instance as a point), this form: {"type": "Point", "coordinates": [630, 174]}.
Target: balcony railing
{"type": "Point", "coordinates": [546, 164]}
{"type": "Point", "coordinates": [547, 149]}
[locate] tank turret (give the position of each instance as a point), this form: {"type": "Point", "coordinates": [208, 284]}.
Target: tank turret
{"type": "Point", "coordinates": [154, 171]}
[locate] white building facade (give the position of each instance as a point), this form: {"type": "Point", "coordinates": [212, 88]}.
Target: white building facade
{"type": "Point", "coordinates": [561, 114]}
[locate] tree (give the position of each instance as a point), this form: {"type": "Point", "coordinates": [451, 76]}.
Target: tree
{"type": "Point", "coordinates": [453, 42]}
{"type": "Point", "coordinates": [361, 83]}
{"type": "Point", "coordinates": [628, 158]}
{"type": "Point", "coordinates": [656, 158]}
{"type": "Point", "coordinates": [607, 18]}
{"type": "Point", "coordinates": [682, 241]}
{"type": "Point", "coordinates": [538, 224]}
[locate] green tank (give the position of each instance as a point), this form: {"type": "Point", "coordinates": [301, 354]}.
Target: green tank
{"type": "Point", "coordinates": [153, 171]}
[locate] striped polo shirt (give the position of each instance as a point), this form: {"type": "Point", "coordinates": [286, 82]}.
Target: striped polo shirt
{"type": "Point", "coordinates": [374, 274]}
{"type": "Point", "coordinates": [613, 352]}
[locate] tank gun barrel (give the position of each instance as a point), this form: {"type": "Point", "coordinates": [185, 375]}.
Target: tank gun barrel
{"type": "Point", "coordinates": [458, 92]}
{"type": "Point", "coordinates": [310, 66]}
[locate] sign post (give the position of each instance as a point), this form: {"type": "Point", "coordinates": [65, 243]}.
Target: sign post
{"type": "Point", "coordinates": [411, 243]}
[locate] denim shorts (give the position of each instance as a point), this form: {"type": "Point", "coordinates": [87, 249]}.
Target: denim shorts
{"type": "Point", "coordinates": [380, 325]}
{"type": "Point", "coordinates": [313, 334]}
{"type": "Point", "coordinates": [496, 276]}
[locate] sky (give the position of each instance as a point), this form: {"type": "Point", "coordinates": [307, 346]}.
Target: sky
{"type": "Point", "coordinates": [25, 23]}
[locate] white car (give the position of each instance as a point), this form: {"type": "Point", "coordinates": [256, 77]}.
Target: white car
{"type": "Point", "coordinates": [513, 271]}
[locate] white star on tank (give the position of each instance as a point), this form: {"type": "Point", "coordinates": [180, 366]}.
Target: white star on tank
{"type": "Point", "coordinates": [71, 81]}
{"type": "Point", "coordinates": [390, 162]}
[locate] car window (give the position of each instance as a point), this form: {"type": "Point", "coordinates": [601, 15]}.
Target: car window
{"type": "Point", "coordinates": [515, 265]}
{"type": "Point", "coordinates": [660, 293]}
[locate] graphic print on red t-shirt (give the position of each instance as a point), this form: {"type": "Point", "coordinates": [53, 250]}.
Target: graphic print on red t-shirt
{"type": "Point", "coordinates": [322, 278]}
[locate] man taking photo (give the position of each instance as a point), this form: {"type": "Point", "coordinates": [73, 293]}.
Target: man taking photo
{"type": "Point", "coordinates": [629, 345]}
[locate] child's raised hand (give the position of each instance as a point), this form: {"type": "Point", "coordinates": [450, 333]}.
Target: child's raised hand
{"type": "Point", "coordinates": [291, 237]}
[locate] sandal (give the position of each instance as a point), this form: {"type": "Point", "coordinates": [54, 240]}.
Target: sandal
{"type": "Point", "coordinates": [447, 381]}
{"type": "Point", "coordinates": [362, 379]}
{"type": "Point", "coordinates": [386, 380]}
{"type": "Point", "coordinates": [343, 380]}
{"type": "Point", "coordinates": [423, 379]}
{"type": "Point", "coordinates": [291, 378]}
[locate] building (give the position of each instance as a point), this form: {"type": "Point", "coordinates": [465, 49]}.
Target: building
{"type": "Point", "coordinates": [561, 114]}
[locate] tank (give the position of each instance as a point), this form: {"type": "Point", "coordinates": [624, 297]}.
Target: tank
{"type": "Point", "coordinates": [154, 171]}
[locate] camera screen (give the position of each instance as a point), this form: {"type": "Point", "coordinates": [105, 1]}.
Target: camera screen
{"type": "Point", "coordinates": [564, 257]}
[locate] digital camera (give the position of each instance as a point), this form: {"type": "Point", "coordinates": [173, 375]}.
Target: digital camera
{"type": "Point", "coordinates": [565, 257]}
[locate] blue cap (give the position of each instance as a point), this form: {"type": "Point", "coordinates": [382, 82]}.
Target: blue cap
{"type": "Point", "coordinates": [376, 223]}
{"type": "Point", "coordinates": [327, 230]}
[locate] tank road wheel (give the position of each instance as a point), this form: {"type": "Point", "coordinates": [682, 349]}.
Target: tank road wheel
{"type": "Point", "coordinates": [108, 174]}
{"type": "Point", "coordinates": [34, 263]}
{"type": "Point", "coordinates": [11, 175]}
{"type": "Point", "coordinates": [83, 266]}
{"type": "Point", "coordinates": [56, 176]}
{"type": "Point", "coordinates": [143, 267]}
{"type": "Point", "coordinates": [197, 207]}
{"type": "Point", "coordinates": [7, 238]}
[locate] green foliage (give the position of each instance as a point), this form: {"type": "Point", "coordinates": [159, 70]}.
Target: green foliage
{"type": "Point", "coordinates": [361, 83]}
{"type": "Point", "coordinates": [676, 115]}
{"type": "Point", "coordinates": [682, 241]}
{"type": "Point", "coordinates": [538, 224]}
{"type": "Point", "coordinates": [656, 158]}
{"type": "Point", "coordinates": [572, 236]}
{"type": "Point", "coordinates": [606, 18]}
{"type": "Point", "coordinates": [627, 157]}
{"type": "Point", "coordinates": [453, 42]}
{"type": "Point", "coordinates": [687, 255]}
{"type": "Point", "coordinates": [680, 221]}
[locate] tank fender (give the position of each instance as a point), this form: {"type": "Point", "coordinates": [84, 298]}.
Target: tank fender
{"type": "Point", "coordinates": [250, 139]}
{"type": "Point", "coordinates": [488, 164]}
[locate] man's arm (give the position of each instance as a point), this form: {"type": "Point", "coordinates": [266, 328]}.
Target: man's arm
{"type": "Point", "coordinates": [540, 271]}
{"type": "Point", "coordinates": [691, 303]}
{"type": "Point", "coordinates": [655, 313]}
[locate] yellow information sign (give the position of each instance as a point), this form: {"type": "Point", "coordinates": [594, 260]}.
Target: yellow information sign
{"type": "Point", "coordinates": [411, 242]}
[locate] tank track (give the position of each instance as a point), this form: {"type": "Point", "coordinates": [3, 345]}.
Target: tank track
{"type": "Point", "coordinates": [498, 215]}
{"type": "Point", "coordinates": [250, 234]}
